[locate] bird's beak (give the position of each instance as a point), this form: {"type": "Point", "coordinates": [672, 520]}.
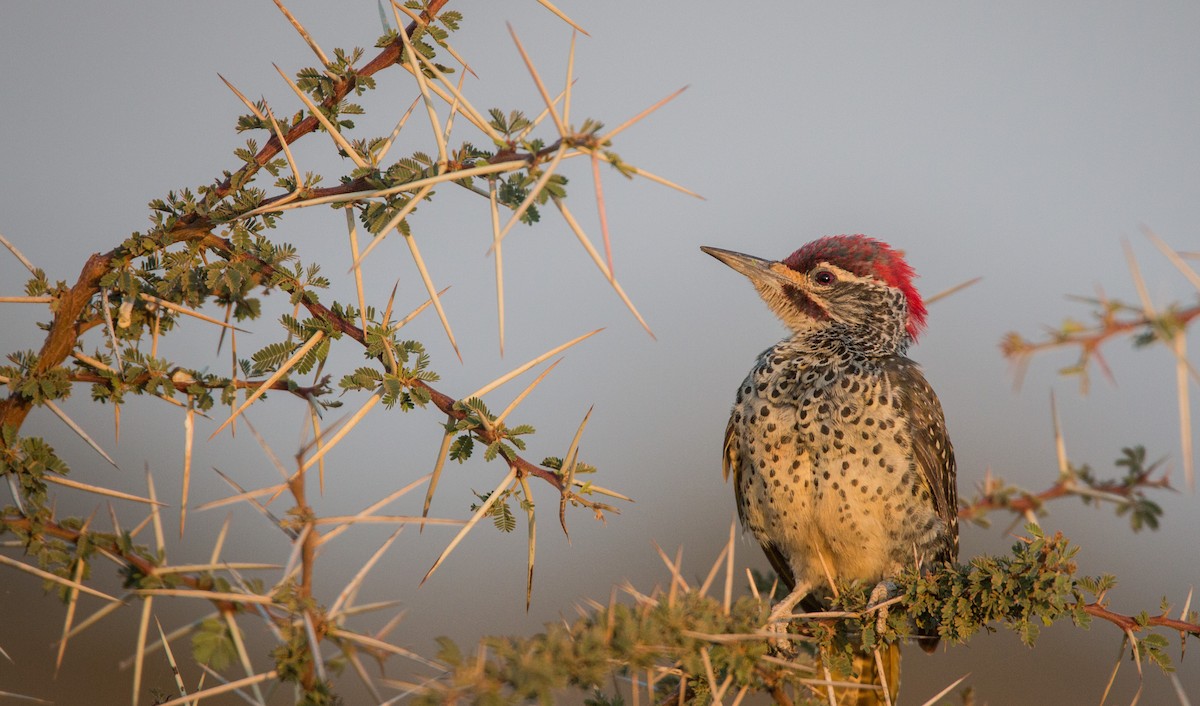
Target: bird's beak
{"type": "Point", "coordinates": [755, 268]}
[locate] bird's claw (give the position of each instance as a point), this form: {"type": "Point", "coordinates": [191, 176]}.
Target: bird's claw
{"type": "Point", "coordinates": [883, 591]}
{"type": "Point", "coordinates": [780, 646]}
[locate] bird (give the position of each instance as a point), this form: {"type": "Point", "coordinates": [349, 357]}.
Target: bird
{"type": "Point", "coordinates": [837, 445]}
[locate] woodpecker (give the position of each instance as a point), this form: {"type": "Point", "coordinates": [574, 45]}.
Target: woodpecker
{"type": "Point", "coordinates": [842, 468]}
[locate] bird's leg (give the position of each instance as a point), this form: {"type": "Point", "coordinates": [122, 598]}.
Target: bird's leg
{"type": "Point", "coordinates": [883, 591]}
{"type": "Point", "coordinates": [780, 618]}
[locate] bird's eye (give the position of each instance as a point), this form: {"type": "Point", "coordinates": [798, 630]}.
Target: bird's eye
{"type": "Point", "coordinates": [823, 277]}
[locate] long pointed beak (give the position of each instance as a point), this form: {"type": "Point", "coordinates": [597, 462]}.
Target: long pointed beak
{"type": "Point", "coordinates": [753, 267]}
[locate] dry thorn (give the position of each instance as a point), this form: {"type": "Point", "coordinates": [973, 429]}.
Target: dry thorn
{"type": "Point", "coordinates": [521, 136]}
{"type": "Point", "coordinates": [630, 122]}
{"type": "Point", "coordinates": [483, 509]}
{"type": "Point", "coordinates": [953, 290]}
{"type": "Point", "coordinates": [439, 464]}
{"type": "Point", "coordinates": [112, 331]}
{"type": "Point", "coordinates": [413, 202]}
{"type": "Point", "coordinates": [98, 490]}
{"type": "Point", "coordinates": [591, 251]}
{"type": "Point", "coordinates": [257, 505]}
{"type": "Point", "coordinates": [189, 428]}
{"type": "Point", "coordinates": [753, 585]}
{"type": "Point", "coordinates": [220, 543]}
{"type": "Point", "coordinates": [829, 685]}
{"type": "Point", "coordinates": [352, 586]}
{"type": "Point", "coordinates": [558, 123]}
{"type": "Point", "coordinates": [454, 175]}
{"type": "Point", "coordinates": [171, 659]}
{"type": "Point", "coordinates": [26, 300]}
{"type": "Point", "coordinates": [72, 603]}
{"type": "Point", "coordinates": [525, 393]}
{"type": "Point", "coordinates": [453, 95]}
{"type": "Point", "coordinates": [1112, 677]}
{"type": "Point", "coordinates": [287, 153]}
{"type": "Point", "coordinates": [213, 567]}
{"type": "Point", "coordinates": [152, 647]}
{"type": "Point", "coordinates": [534, 362]}
{"type": "Point", "coordinates": [159, 541]}
{"type": "Point", "coordinates": [534, 192]}
{"type": "Point", "coordinates": [341, 433]}
{"type": "Point", "coordinates": [341, 141]}
{"type": "Point", "coordinates": [225, 688]}
{"type": "Point", "coordinates": [424, 86]}
{"type": "Point", "coordinates": [945, 691]}
{"type": "Point", "coordinates": [272, 490]}
{"type": "Point", "coordinates": [568, 471]}
{"type": "Point", "coordinates": [728, 604]}
{"type": "Point", "coordinates": [247, 598]}
{"type": "Point", "coordinates": [712, 572]}
{"type": "Point", "coordinates": [674, 567]}
{"type": "Point", "coordinates": [603, 212]}
{"type": "Point", "coordinates": [413, 314]}
{"type": "Point", "coordinates": [387, 145]}
{"type": "Point", "coordinates": [549, 6]}
{"type": "Point", "coordinates": [314, 647]}
{"type": "Point", "coordinates": [351, 655]}
{"type": "Point", "coordinates": [454, 108]}
{"type": "Point", "coordinates": [1179, 692]}
{"type": "Point", "coordinates": [101, 613]}
{"type": "Point", "coordinates": [376, 644]}
{"type": "Point", "coordinates": [532, 538]}
{"type": "Point", "coordinates": [367, 511]}
{"type": "Point", "coordinates": [139, 661]}
{"type": "Point", "coordinates": [246, 101]}
{"type": "Point", "coordinates": [303, 33]}
{"type": "Point", "coordinates": [17, 254]}
{"type": "Point", "coordinates": [299, 542]}
{"type": "Point", "coordinates": [275, 377]}
{"type": "Point", "coordinates": [708, 673]}
{"type": "Point", "coordinates": [349, 520]}
{"type": "Point", "coordinates": [318, 442]}
{"type": "Point", "coordinates": [1175, 259]}
{"type": "Point", "coordinates": [887, 696]}
{"type": "Point", "coordinates": [419, 21]}
{"type": "Point", "coordinates": [1060, 444]}
{"type": "Point", "coordinates": [566, 115]}
{"type": "Point", "coordinates": [411, 241]}
{"type": "Point", "coordinates": [495, 217]}
{"type": "Point", "coordinates": [1178, 348]}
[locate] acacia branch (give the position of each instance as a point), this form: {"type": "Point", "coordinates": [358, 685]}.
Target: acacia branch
{"type": "Point", "coordinates": [1021, 502]}
{"type": "Point", "coordinates": [65, 329]}
{"type": "Point", "coordinates": [1088, 340]}
{"type": "Point", "coordinates": [1129, 623]}
{"type": "Point", "coordinates": [285, 385]}
{"type": "Point", "coordinates": [389, 56]}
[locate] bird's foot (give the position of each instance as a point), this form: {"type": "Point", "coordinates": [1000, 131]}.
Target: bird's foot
{"type": "Point", "coordinates": [777, 625]}
{"type": "Point", "coordinates": [781, 618]}
{"type": "Point", "coordinates": [884, 591]}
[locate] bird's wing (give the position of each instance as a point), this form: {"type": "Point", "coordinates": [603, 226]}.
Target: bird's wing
{"type": "Point", "coordinates": [731, 465]}
{"type": "Point", "coordinates": [931, 444]}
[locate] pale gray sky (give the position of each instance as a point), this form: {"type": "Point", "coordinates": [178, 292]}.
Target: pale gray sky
{"type": "Point", "coordinates": [1020, 142]}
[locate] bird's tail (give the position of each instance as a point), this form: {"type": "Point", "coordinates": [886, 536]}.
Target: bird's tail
{"type": "Point", "coordinates": [867, 672]}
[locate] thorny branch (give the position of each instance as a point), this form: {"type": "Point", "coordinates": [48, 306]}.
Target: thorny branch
{"type": "Point", "coordinates": [1089, 339]}
{"type": "Point", "coordinates": [994, 495]}
{"type": "Point", "coordinates": [1129, 623]}
{"type": "Point", "coordinates": [389, 56]}
{"type": "Point", "coordinates": [73, 316]}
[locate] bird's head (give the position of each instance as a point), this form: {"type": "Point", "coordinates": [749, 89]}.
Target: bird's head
{"type": "Point", "coordinates": [852, 282]}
